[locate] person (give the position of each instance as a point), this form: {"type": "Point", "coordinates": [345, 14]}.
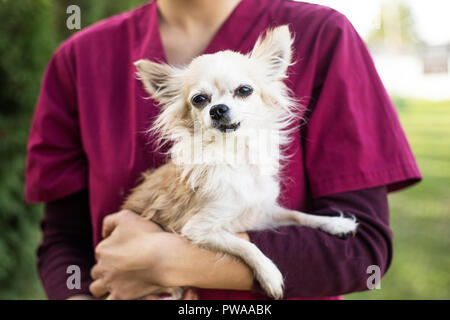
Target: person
{"type": "Point", "coordinates": [87, 148]}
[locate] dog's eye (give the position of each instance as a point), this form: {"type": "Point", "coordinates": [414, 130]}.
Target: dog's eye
{"type": "Point", "coordinates": [244, 91]}
{"type": "Point", "coordinates": [199, 100]}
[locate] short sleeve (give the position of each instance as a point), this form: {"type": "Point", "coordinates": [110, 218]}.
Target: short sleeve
{"type": "Point", "coordinates": [353, 138]}
{"type": "Point", "coordinates": [56, 164]}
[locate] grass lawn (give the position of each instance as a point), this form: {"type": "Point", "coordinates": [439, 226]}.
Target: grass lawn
{"type": "Point", "coordinates": [420, 216]}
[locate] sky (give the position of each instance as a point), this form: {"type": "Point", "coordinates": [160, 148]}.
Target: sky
{"type": "Point", "coordinates": [431, 16]}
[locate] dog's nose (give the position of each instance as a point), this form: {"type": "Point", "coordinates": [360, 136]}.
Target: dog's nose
{"type": "Point", "coordinates": [218, 111]}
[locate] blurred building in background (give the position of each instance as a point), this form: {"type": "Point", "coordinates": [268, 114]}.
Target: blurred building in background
{"type": "Point", "coordinates": [436, 59]}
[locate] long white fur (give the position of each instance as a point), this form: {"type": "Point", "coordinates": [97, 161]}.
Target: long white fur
{"type": "Point", "coordinates": [240, 197]}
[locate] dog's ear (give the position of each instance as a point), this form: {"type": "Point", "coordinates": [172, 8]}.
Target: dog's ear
{"type": "Point", "coordinates": [158, 79]}
{"type": "Point", "coordinates": [275, 50]}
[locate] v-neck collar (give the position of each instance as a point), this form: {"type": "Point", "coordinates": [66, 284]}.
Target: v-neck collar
{"type": "Point", "coordinates": [243, 13]}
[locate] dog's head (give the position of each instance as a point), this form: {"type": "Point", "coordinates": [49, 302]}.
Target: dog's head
{"type": "Point", "coordinates": [225, 91]}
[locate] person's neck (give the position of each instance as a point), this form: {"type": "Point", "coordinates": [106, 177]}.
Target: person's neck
{"type": "Point", "coordinates": [189, 14]}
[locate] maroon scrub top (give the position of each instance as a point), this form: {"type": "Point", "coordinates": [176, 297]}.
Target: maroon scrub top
{"type": "Point", "coordinates": [89, 124]}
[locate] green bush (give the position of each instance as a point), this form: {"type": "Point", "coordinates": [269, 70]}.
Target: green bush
{"type": "Point", "coordinates": [30, 31]}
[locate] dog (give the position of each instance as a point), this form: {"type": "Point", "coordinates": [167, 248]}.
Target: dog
{"type": "Point", "coordinates": [225, 96]}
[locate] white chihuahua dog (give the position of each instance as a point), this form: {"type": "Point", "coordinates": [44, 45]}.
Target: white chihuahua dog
{"type": "Point", "coordinates": [233, 96]}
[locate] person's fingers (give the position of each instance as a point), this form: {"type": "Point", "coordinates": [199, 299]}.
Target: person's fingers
{"type": "Point", "coordinates": [98, 288]}
{"type": "Point", "coordinates": [151, 297]}
{"type": "Point", "coordinates": [96, 272]}
{"type": "Point", "coordinates": [111, 296]}
{"type": "Point", "coordinates": [109, 224]}
{"type": "Point", "coordinates": [190, 294]}
{"type": "Point", "coordinates": [111, 221]}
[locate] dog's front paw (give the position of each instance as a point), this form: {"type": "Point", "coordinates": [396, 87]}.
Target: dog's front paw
{"type": "Point", "coordinates": [340, 226]}
{"type": "Point", "coordinates": [270, 279]}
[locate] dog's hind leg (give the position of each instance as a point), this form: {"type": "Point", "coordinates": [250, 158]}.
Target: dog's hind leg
{"type": "Point", "coordinates": [339, 225]}
{"type": "Point", "coordinates": [266, 272]}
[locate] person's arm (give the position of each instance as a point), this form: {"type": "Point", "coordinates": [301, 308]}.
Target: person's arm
{"type": "Point", "coordinates": [67, 240]}
{"type": "Point", "coordinates": [137, 257]}
{"type": "Point", "coordinates": [315, 264]}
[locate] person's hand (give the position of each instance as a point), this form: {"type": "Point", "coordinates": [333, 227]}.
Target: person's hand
{"type": "Point", "coordinates": [137, 258]}
{"type": "Point", "coordinates": [81, 297]}
{"type": "Point", "coordinates": [130, 262]}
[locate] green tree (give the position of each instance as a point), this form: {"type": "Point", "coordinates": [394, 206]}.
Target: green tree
{"type": "Point", "coordinates": [396, 26]}
{"type": "Point", "coordinates": [30, 31]}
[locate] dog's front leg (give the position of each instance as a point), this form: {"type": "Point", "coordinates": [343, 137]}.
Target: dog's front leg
{"type": "Point", "coordinates": [339, 226]}
{"type": "Point", "coordinates": [268, 275]}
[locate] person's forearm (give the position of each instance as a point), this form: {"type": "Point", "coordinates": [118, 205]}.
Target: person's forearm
{"type": "Point", "coordinates": [81, 297]}
{"type": "Point", "coordinates": [53, 271]}
{"type": "Point", "coordinates": [202, 268]}
{"type": "Point", "coordinates": [66, 242]}
{"type": "Point", "coordinates": [316, 264]}
{"type": "Point", "coordinates": [313, 263]}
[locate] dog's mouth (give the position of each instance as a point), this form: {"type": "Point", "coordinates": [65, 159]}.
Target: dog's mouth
{"type": "Point", "coordinates": [228, 127]}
